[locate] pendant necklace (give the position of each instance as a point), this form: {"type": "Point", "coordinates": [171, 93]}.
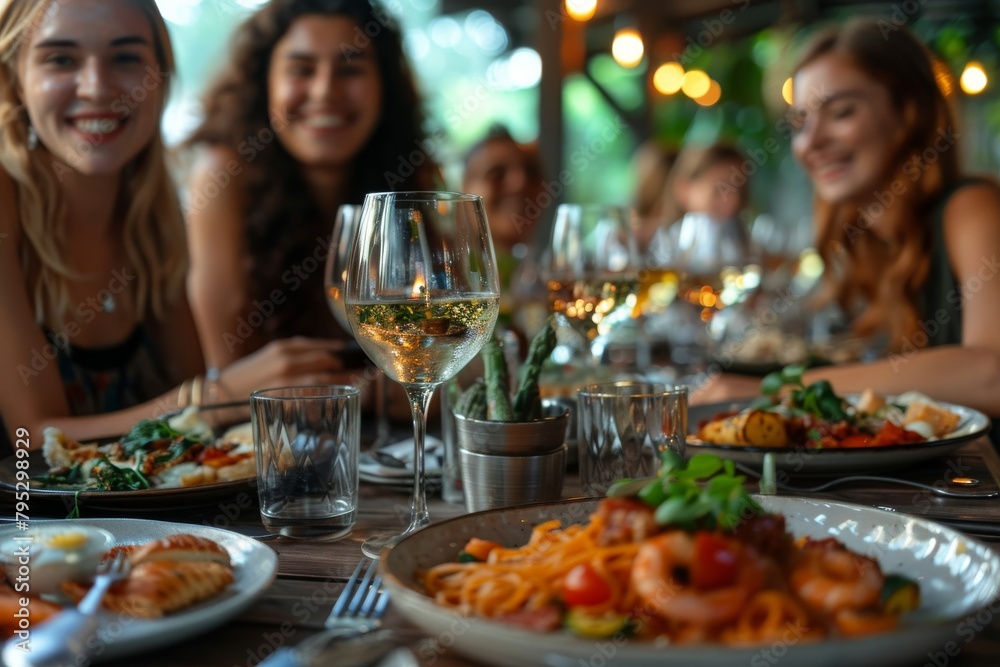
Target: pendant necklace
{"type": "Point", "coordinates": [108, 303]}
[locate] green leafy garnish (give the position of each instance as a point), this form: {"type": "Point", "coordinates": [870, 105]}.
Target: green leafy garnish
{"type": "Point", "coordinates": [148, 431]}
{"type": "Point", "coordinates": [701, 493]}
{"type": "Point", "coordinates": [112, 478]}
{"type": "Point", "coordinates": [818, 399]}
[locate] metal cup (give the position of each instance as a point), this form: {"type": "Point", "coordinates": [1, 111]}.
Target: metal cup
{"type": "Point", "coordinates": [307, 441]}
{"type": "Point", "coordinates": [623, 427]}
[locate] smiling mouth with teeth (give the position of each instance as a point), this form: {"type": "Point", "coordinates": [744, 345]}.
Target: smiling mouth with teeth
{"type": "Point", "coordinates": [97, 125]}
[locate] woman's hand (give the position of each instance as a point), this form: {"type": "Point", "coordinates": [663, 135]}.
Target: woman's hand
{"type": "Point", "coordinates": [282, 363]}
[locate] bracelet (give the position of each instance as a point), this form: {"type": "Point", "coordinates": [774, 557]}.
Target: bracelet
{"type": "Point", "coordinates": [216, 391]}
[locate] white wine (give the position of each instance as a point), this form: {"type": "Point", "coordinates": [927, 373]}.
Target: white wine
{"type": "Point", "coordinates": [586, 304]}
{"type": "Point", "coordinates": [423, 341]}
{"type": "Point", "coordinates": [657, 289]}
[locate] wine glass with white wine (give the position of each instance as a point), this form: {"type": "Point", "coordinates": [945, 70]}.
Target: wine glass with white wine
{"type": "Point", "coordinates": [591, 270]}
{"type": "Point", "coordinates": [345, 229]}
{"type": "Point", "coordinates": [422, 296]}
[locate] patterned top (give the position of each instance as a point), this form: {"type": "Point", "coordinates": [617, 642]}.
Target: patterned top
{"type": "Point", "coordinates": [99, 380]}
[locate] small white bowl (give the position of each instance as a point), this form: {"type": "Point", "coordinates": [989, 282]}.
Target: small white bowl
{"type": "Point", "coordinates": [38, 560]}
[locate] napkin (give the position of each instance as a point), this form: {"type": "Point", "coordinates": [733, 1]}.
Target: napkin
{"type": "Point", "coordinates": [373, 470]}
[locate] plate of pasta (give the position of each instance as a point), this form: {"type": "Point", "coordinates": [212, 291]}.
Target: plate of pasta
{"type": "Point", "coordinates": [810, 581]}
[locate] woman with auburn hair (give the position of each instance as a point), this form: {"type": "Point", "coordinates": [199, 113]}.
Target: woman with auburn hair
{"type": "Point", "coordinates": [95, 327]}
{"type": "Point", "coordinates": [316, 108]}
{"type": "Point", "coordinates": [909, 242]}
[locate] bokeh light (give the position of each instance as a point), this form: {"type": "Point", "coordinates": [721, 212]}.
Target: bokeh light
{"type": "Point", "coordinates": [627, 47]}
{"type": "Point", "coordinates": [974, 79]}
{"type": "Point", "coordinates": [711, 96]}
{"type": "Point", "coordinates": [786, 91]}
{"type": "Point", "coordinates": [668, 77]}
{"type": "Point", "coordinates": [696, 83]}
{"type": "Point", "coordinates": [581, 10]}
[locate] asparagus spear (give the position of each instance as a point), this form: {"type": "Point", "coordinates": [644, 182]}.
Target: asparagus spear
{"type": "Point", "coordinates": [527, 404]}
{"type": "Point", "coordinates": [472, 402]}
{"type": "Point", "coordinates": [498, 407]}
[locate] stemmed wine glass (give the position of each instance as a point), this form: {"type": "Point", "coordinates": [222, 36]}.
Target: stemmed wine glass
{"type": "Point", "coordinates": [422, 296]}
{"type": "Point", "coordinates": [345, 229]}
{"type": "Point", "coordinates": [591, 270]}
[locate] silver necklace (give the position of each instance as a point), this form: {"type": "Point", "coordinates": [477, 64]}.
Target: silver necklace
{"type": "Point", "coordinates": [108, 303]}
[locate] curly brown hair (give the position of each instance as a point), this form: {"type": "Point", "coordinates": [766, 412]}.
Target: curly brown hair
{"type": "Point", "coordinates": [886, 275]}
{"type": "Point", "coordinates": [283, 219]}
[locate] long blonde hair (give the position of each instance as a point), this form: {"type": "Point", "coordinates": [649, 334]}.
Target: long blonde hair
{"type": "Point", "coordinates": [887, 276]}
{"type": "Point", "coordinates": [152, 225]}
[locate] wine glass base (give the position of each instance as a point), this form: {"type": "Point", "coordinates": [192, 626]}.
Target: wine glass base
{"type": "Point", "coordinates": [376, 544]}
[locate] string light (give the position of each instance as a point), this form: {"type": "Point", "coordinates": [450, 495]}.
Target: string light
{"type": "Point", "coordinates": [668, 77]}
{"type": "Point", "coordinates": [974, 79]}
{"type": "Point", "coordinates": [627, 47]}
{"type": "Point", "coordinates": [713, 95]}
{"type": "Point", "coordinates": [696, 83]}
{"type": "Point", "coordinates": [581, 10]}
{"type": "Point", "coordinates": [786, 91]}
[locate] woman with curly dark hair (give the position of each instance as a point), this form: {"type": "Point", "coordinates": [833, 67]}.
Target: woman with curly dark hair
{"type": "Point", "coordinates": [316, 108]}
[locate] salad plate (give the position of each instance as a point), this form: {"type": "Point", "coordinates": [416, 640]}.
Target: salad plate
{"type": "Point", "coordinates": [972, 424]}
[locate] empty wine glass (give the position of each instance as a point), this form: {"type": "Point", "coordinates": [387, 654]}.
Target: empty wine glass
{"type": "Point", "coordinates": [345, 229]}
{"type": "Point", "coordinates": [422, 296]}
{"type": "Point", "coordinates": [591, 270]}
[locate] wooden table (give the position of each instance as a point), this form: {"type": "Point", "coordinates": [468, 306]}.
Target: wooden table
{"type": "Point", "coordinates": [310, 574]}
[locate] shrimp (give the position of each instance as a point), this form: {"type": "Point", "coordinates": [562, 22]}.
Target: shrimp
{"type": "Point", "coordinates": [828, 577]}
{"type": "Point", "coordinates": [661, 579]}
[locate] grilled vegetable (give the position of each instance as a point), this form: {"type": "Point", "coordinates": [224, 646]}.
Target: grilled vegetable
{"type": "Point", "coordinates": [527, 404]}
{"type": "Point", "coordinates": [587, 625]}
{"type": "Point", "coordinates": [758, 428]}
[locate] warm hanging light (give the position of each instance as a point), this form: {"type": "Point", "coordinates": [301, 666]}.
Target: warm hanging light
{"type": "Point", "coordinates": [668, 77]}
{"type": "Point", "coordinates": [696, 83]}
{"type": "Point", "coordinates": [713, 95]}
{"type": "Point", "coordinates": [974, 79]}
{"type": "Point", "coordinates": [627, 47]}
{"type": "Point", "coordinates": [786, 91]}
{"type": "Point", "coordinates": [581, 10]}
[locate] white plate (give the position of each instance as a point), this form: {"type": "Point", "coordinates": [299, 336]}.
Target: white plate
{"type": "Point", "coordinates": [972, 424]}
{"type": "Point", "coordinates": [957, 576]}
{"type": "Point", "coordinates": [254, 568]}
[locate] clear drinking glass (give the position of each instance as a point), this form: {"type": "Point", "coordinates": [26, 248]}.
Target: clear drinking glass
{"type": "Point", "coordinates": [422, 296]}
{"type": "Point", "coordinates": [591, 270]}
{"type": "Point", "coordinates": [345, 229]}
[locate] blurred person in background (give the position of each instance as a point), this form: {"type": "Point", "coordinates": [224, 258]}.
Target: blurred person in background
{"type": "Point", "coordinates": [909, 241]}
{"type": "Point", "coordinates": [96, 328]}
{"type": "Point", "coordinates": [508, 176]}
{"type": "Point", "coordinates": [316, 108]}
{"type": "Point", "coordinates": [653, 199]}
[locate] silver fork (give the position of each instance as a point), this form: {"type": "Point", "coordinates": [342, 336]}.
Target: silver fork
{"type": "Point", "coordinates": [352, 626]}
{"type": "Point", "coordinates": [66, 635]}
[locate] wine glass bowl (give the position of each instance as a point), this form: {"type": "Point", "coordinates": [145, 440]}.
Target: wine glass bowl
{"type": "Point", "coordinates": [422, 297]}
{"type": "Point", "coordinates": [591, 270]}
{"type": "Point", "coordinates": [345, 228]}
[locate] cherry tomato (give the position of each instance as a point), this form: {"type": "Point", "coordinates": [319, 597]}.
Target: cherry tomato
{"type": "Point", "coordinates": [583, 585]}
{"type": "Point", "coordinates": [852, 441]}
{"type": "Point", "coordinates": [715, 561]}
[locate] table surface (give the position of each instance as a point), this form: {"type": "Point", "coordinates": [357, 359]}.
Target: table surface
{"type": "Point", "coordinates": [303, 565]}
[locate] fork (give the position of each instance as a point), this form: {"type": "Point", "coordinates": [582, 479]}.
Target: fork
{"type": "Point", "coordinates": [352, 626]}
{"type": "Point", "coordinates": [66, 636]}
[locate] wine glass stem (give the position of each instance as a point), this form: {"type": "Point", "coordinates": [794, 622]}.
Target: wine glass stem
{"type": "Point", "coordinates": [420, 400]}
{"type": "Point", "coordinates": [383, 430]}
